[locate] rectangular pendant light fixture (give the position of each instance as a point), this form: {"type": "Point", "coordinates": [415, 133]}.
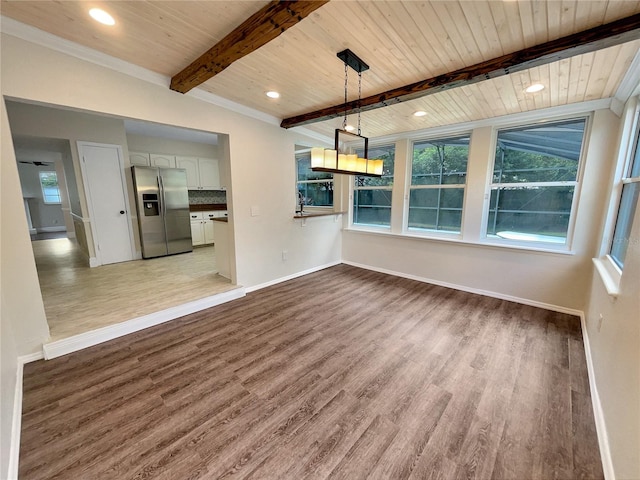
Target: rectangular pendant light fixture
{"type": "Point", "coordinates": [344, 158]}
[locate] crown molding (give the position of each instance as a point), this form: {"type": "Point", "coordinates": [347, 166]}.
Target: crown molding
{"type": "Point", "coordinates": [313, 135]}
{"type": "Point", "coordinates": [630, 82]}
{"type": "Point", "coordinates": [34, 35]}
{"type": "Point", "coordinates": [502, 121]}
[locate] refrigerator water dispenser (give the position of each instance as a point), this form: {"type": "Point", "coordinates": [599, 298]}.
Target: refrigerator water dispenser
{"type": "Point", "coordinates": [150, 202]}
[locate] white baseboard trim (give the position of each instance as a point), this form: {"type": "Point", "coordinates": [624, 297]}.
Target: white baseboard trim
{"type": "Point", "coordinates": [291, 277]}
{"type": "Point", "coordinates": [33, 231]}
{"type": "Point", "coordinates": [104, 334]}
{"type": "Point", "coordinates": [16, 420]}
{"type": "Point", "coordinates": [486, 293]}
{"type": "Point", "coordinates": [32, 357]}
{"type": "Point", "coordinates": [16, 425]}
{"type": "Point", "coordinates": [598, 413]}
{"type": "Point", "coordinates": [71, 234]}
{"type": "Point", "coordinates": [93, 262]}
{"type": "Point", "coordinates": [52, 229]}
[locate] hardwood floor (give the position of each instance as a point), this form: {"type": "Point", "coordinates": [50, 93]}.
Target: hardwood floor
{"type": "Point", "coordinates": [79, 299]}
{"type": "Point", "coordinates": [344, 373]}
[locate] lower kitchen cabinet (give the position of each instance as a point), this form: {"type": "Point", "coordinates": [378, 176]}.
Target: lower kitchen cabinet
{"type": "Point", "coordinates": [197, 233]}
{"type": "Point", "coordinates": [208, 231]}
{"type": "Point", "coordinates": [202, 226]}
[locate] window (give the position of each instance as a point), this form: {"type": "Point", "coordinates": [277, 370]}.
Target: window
{"type": "Point", "coordinates": [49, 185]}
{"type": "Point", "coordinates": [314, 188]}
{"type": "Point", "coordinates": [372, 195]}
{"type": "Point", "coordinates": [438, 175]}
{"type": "Point", "coordinates": [535, 176]}
{"type": "Point", "coordinates": [627, 206]}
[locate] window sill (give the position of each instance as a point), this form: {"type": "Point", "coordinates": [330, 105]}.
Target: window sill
{"type": "Point", "coordinates": [610, 275]}
{"type": "Point", "coordinates": [317, 213]}
{"type": "Point", "coordinates": [452, 238]}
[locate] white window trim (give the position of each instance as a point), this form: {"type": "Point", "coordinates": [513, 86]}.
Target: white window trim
{"type": "Point", "coordinates": [44, 197]}
{"type": "Point", "coordinates": [365, 227]}
{"type": "Point", "coordinates": [607, 269]}
{"type": "Point", "coordinates": [478, 237]}
{"type": "Point", "coordinates": [425, 232]}
{"type": "Point", "coordinates": [314, 208]}
{"type": "Point", "coordinates": [567, 246]}
{"type": "Point", "coordinates": [610, 274]}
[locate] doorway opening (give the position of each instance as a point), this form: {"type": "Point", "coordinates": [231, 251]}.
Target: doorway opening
{"type": "Point", "coordinates": [78, 298]}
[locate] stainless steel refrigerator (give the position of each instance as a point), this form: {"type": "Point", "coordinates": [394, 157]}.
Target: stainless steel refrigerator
{"type": "Point", "coordinates": [162, 201]}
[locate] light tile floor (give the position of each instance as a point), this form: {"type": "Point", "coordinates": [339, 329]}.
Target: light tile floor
{"type": "Point", "coordinates": [78, 299]}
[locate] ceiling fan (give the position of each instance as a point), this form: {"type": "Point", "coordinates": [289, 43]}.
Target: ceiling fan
{"type": "Point", "coordinates": [36, 163]}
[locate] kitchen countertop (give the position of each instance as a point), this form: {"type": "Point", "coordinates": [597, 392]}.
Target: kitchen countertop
{"type": "Point", "coordinates": [207, 206]}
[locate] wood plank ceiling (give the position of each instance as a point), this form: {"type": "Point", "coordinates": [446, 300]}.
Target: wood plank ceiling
{"type": "Point", "coordinates": [402, 41]}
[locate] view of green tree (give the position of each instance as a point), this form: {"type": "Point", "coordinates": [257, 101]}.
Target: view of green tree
{"type": "Point", "coordinates": [49, 179]}
{"type": "Point", "coordinates": [372, 206]}
{"type": "Point", "coordinates": [513, 166]}
{"type": "Point", "coordinates": [438, 162]}
{"type": "Point", "coordinates": [541, 154]}
{"type": "Point", "coordinates": [316, 188]}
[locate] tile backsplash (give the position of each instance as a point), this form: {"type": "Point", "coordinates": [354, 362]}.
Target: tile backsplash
{"type": "Point", "coordinates": [201, 197]}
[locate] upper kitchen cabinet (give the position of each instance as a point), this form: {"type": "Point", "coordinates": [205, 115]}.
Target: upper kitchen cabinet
{"type": "Point", "coordinates": [140, 159]}
{"type": "Point", "coordinates": [164, 161]}
{"type": "Point", "coordinates": [202, 173]}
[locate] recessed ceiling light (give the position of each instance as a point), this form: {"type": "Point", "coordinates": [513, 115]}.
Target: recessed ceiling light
{"type": "Point", "coordinates": [349, 128]}
{"type": "Point", "coordinates": [273, 94]}
{"type": "Point", "coordinates": [536, 87]}
{"type": "Point", "coordinates": [101, 16]}
{"type": "Point", "coordinates": [419, 113]}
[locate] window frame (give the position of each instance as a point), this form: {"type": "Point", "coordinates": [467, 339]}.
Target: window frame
{"type": "Point", "coordinates": [317, 208]}
{"type": "Point", "coordinates": [353, 188]}
{"type": "Point", "coordinates": [609, 269]}
{"type": "Point", "coordinates": [44, 195]}
{"type": "Point", "coordinates": [567, 246]}
{"type": "Point", "coordinates": [431, 233]}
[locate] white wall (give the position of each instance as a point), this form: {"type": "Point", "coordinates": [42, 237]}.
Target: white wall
{"type": "Point", "coordinates": [42, 215]}
{"type": "Point", "coordinates": [8, 366]}
{"type": "Point", "coordinates": [554, 279]}
{"type": "Point", "coordinates": [261, 155]}
{"type": "Point", "coordinates": [615, 353]}
{"type": "Point", "coordinates": [42, 121]}
{"type": "Point", "coordinates": [262, 170]}
{"type": "Point", "coordinates": [22, 300]}
{"type": "Point", "coordinates": [23, 327]}
{"type": "Point", "coordinates": [169, 146]}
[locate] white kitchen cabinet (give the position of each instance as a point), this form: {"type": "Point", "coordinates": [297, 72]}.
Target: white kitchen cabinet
{"type": "Point", "coordinates": [202, 173]}
{"type": "Point", "coordinates": [190, 164]}
{"type": "Point", "coordinates": [139, 158]}
{"type": "Point", "coordinates": [209, 174]}
{"type": "Point", "coordinates": [208, 231]}
{"type": "Point", "coordinates": [164, 161]}
{"type": "Point", "coordinates": [197, 228]}
{"type": "Point", "coordinates": [202, 227]}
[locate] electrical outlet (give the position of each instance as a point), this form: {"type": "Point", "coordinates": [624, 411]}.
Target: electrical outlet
{"type": "Point", "coordinates": [285, 253]}
{"type": "Point", "coordinates": [600, 319]}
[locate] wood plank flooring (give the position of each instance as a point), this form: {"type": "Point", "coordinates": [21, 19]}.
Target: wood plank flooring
{"type": "Point", "coordinates": [79, 299]}
{"type": "Point", "coordinates": [344, 373]}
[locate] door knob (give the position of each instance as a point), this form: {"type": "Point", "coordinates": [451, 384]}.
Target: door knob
{"type": "Point", "coordinates": [121, 212]}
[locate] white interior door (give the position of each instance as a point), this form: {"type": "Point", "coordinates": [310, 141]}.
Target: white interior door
{"type": "Point", "coordinates": [103, 175]}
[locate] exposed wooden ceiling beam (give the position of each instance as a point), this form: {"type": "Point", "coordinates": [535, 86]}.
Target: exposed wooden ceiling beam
{"type": "Point", "coordinates": [259, 29]}
{"type": "Point", "coordinates": [597, 38]}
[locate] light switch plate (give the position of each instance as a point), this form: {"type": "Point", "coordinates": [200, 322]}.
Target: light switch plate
{"type": "Point", "coordinates": [255, 210]}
